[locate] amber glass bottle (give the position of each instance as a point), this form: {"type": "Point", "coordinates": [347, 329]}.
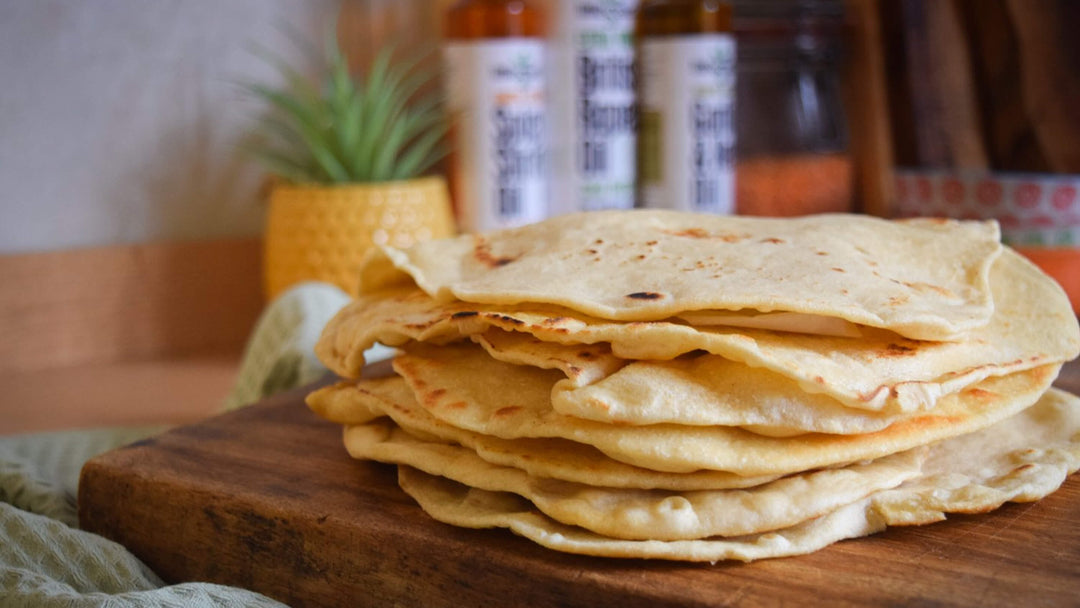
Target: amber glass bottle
{"type": "Point", "coordinates": [494, 51]}
{"type": "Point", "coordinates": [686, 58]}
{"type": "Point", "coordinates": [684, 17]}
{"type": "Point", "coordinates": [482, 19]}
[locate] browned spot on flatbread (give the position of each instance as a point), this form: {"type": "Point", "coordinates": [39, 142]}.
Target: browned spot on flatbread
{"type": "Point", "coordinates": [871, 395]}
{"type": "Point", "coordinates": [923, 287]}
{"type": "Point", "coordinates": [980, 394]}
{"type": "Point", "coordinates": [928, 287]}
{"type": "Point", "coordinates": [503, 412]}
{"type": "Point", "coordinates": [773, 240]}
{"type": "Point", "coordinates": [936, 220]}
{"type": "Point", "coordinates": [645, 295]}
{"type": "Point", "coordinates": [1043, 373]}
{"type": "Point", "coordinates": [694, 233]}
{"type": "Point", "coordinates": [896, 350]}
{"type": "Point", "coordinates": [838, 270]}
{"type": "Point", "coordinates": [599, 404]}
{"type": "Point", "coordinates": [915, 424]}
{"type": "Point", "coordinates": [434, 397]}
{"type": "Point", "coordinates": [463, 314]}
{"type": "Point", "coordinates": [482, 253]}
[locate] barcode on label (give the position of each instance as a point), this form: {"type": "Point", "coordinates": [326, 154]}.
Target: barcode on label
{"type": "Point", "coordinates": [509, 202]}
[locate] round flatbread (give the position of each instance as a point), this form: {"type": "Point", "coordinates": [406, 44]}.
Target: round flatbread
{"type": "Point", "coordinates": [922, 279]}
{"type": "Point", "coordinates": [644, 514]}
{"type": "Point", "coordinates": [350, 403]}
{"type": "Point", "coordinates": [512, 401]}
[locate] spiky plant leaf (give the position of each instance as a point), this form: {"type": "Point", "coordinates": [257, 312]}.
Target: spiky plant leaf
{"type": "Point", "coordinates": [424, 152]}
{"type": "Point", "coordinates": [351, 129]}
{"type": "Point", "coordinates": [282, 165]}
{"type": "Point", "coordinates": [409, 128]}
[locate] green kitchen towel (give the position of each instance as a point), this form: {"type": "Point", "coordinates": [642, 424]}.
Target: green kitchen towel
{"type": "Point", "coordinates": [281, 352]}
{"type": "Point", "coordinates": [46, 561]}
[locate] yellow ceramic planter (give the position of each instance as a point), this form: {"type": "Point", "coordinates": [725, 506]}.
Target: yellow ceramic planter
{"type": "Point", "coordinates": [322, 232]}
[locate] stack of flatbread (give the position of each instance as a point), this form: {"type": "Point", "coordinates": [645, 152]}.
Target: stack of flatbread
{"type": "Point", "coordinates": [657, 384]}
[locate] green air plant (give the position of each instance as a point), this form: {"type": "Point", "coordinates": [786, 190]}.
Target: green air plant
{"type": "Point", "coordinates": [376, 128]}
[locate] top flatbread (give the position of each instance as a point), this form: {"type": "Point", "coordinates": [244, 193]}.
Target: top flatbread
{"type": "Point", "coordinates": [1033, 325]}
{"type": "Point", "coordinates": [923, 279]}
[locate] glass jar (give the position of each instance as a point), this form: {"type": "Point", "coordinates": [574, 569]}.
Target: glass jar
{"type": "Point", "coordinates": [792, 143]}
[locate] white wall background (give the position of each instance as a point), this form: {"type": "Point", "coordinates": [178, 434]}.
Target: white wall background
{"type": "Point", "coordinates": [120, 119]}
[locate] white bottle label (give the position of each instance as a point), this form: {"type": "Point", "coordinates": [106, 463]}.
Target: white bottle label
{"type": "Point", "coordinates": [687, 128]}
{"type": "Point", "coordinates": [496, 96]}
{"type": "Point", "coordinates": [593, 113]}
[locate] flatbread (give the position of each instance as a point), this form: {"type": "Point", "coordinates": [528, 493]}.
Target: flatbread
{"type": "Point", "coordinates": [350, 403]}
{"type": "Point", "coordinates": [1034, 325]}
{"type": "Point", "coordinates": [1030, 456]}
{"type": "Point", "coordinates": [512, 401]}
{"type": "Point", "coordinates": [459, 505]}
{"type": "Point", "coordinates": [604, 388]}
{"type": "Point", "coordinates": [712, 391]}
{"type": "Point", "coordinates": [923, 279]}
{"type": "Point", "coordinates": [692, 390]}
{"type": "Point", "coordinates": [644, 514]}
{"type": "Point", "coordinates": [582, 364]}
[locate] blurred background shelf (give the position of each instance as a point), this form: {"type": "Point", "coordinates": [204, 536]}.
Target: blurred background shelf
{"type": "Point", "coordinates": [126, 393]}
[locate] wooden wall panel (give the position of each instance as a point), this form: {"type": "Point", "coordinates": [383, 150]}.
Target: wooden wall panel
{"type": "Point", "coordinates": [127, 302]}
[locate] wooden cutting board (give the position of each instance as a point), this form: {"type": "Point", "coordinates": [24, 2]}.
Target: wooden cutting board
{"type": "Point", "coordinates": [267, 499]}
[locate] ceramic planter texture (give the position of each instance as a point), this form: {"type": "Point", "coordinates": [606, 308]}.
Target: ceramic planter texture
{"type": "Point", "coordinates": [322, 233]}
